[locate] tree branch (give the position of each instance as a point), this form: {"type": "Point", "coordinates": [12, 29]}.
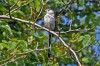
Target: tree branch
{"type": "Point", "coordinates": [76, 30]}
{"type": "Point", "coordinates": [12, 60]}
{"type": "Point", "coordinates": [27, 22]}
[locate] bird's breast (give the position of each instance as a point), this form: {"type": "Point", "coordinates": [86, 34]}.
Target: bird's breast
{"type": "Point", "coordinates": [49, 21]}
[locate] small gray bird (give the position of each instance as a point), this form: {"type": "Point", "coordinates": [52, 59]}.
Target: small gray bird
{"type": "Point", "coordinates": [49, 22]}
{"type": "Point", "coordinates": [49, 19]}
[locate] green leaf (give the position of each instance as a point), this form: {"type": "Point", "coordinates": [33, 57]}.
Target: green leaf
{"type": "Point", "coordinates": [37, 5]}
{"type": "Point", "coordinates": [5, 45]}
{"type": "Point", "coordinates": [86, 40]}
{"type": "Point", "coordinates": [18, 13]}
{"type": "Point", "coordinates": [29, 1]}
{"type": "Point", "coordinates": [23, 45]}
{"type": "Point", "coordinates": [38, 38]}
{"type": "Point", "coordinates": [21, 3]}
{"type": "Point", "coordinates": [86, 60]}
{"type": "Point", "coordinates": [81, 3]}
{"type": "Point", "coordinates": [38, 9]}
{"type": "Point", "coordinates": [2, 9]}
{"type": "Point", "coordinates": [80, 38]}
{"type": "Point", "coordinates": [6, 29]}
{"type": "Point", "coordinates": [12, 45]}
{"type": "Point", "coordinates": [1, 46]}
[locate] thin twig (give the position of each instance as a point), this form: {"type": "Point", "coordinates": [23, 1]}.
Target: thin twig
{"type": "Point", "coordinates": [66, 4]}
{"type": "Point", "coordinates": [13, 5]}
{"type": "Point", "coordinates": [40, 10]}
{"type": "Point", "coordinates": [42, 2]}
{"type": "Point", "coordinates": [82, 48]}
{"type": "Point", "coordinates": [9, 10]}
{"type": "Point", "coordinates": [16, 8]}
{"type": "Point", "coordinates": [76, 30]}
{"type": "Point", "coordinates": [34, 50]}
{"type": "Point", "coordinates": [6, 59]}
{"type": "Point", "coordinates": [12, 60]}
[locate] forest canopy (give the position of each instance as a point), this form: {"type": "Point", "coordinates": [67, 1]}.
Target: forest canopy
{"type": "Point", "coordinates": [24, 39]}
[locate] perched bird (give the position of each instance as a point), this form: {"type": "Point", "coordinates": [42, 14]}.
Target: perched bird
{"type": "Point", "coordinates": [49, 22]}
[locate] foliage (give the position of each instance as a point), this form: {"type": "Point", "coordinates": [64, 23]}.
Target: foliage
{"type": "Point", "coordinates": [23, 44]}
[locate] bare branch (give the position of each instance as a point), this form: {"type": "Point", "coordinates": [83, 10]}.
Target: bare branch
{"type": "Point", "coordinates": [76, 30]}
{"type": "Point", "coordinates": [34, 50]}
{"type": "Point", "coordinates": [27, 22]}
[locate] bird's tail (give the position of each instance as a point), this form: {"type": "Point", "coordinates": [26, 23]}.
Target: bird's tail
{"type": "Point", "coordinates": [49, 46]}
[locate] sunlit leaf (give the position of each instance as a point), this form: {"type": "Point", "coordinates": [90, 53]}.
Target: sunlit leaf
{"type": "Point", "coordinates": [6, 29]}
{"type": "Point", "coordinates": [80, 38]}
{"type": "Point", "coordinates": [85, 60]}
{"type": "Point", "coordinates": [37, 5]}
{"type": "Point", "coordinates": [22, 43]}
{"type": "Point", "coordinates": [86, 40]}
{"type": "Point", "coordinates": [12, 45]}
{"type": "Point", "coordinates": [1, 46]}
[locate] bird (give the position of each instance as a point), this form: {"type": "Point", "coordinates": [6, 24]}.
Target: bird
{"type": "Point", "coordinates": [49, 22]}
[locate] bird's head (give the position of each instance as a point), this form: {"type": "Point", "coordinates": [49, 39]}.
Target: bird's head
{"type": "Point", "coordinates": [49, 11]}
